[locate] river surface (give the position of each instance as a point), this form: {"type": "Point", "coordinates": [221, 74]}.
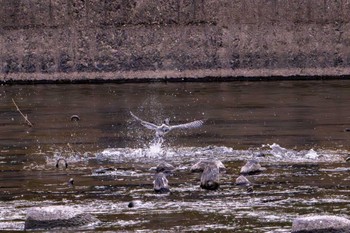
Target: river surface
{"type": "Point", "coordinates": [302, 127]}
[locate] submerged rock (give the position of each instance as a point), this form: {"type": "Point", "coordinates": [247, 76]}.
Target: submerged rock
{"type": "Point", "coordinates": [160, 183]}
{"type": "Point", "coordinates": [321, 224]}
{"type": "Point", "coordinates": [242, 180]}
{"type": "Point", "coordinates": [210, 178]}
{"type": "Point", "coordinates": [251, 167]}
{"type": "Point", "coordinates": [202, 164]}
{"type": "Point", "coordinates": [56, 217]}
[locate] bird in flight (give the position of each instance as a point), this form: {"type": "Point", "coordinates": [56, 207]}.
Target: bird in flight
{"type": "Point", "coordinates": [165, 128]}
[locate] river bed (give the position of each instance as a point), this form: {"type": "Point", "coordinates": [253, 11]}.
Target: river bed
{"type": "Point", "coordinates": [302, 128]}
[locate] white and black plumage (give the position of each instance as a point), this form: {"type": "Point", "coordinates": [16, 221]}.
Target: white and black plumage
{"type": "Point", "coordinates": [165, 128]}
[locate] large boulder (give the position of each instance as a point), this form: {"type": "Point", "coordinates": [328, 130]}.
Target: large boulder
{"type": "Point", "coordinates": [321, 224]}
{"type": "Point", "coordinates": [202, 164]}
{"type": "Point", "coordinates": [56, 217]}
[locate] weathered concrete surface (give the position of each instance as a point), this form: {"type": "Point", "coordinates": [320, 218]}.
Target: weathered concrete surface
{"type": "Point", "coordinates": [137, 39]}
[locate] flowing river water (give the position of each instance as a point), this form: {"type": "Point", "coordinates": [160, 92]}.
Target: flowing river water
{"type": "Point", "coordinates": [302, 127]}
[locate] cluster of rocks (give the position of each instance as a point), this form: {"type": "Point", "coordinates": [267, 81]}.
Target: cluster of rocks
{"type": "Point", "coordinates": [210, 170]}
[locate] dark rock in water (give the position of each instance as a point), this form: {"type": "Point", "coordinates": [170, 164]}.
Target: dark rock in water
{"type": "Point", "coordinates": [71, 182]}
{"type": "Point", "coordinates": [251, 167]}
{"type": "Point", "coordinates": [164, 167]}
{"type": "Point", "coordinates": [134, 203]}
{"type": "Point", "coordinates": [75, 118]}
{"type": "Point", "coordinates": [321, 224]}
{"type": "Point", "coordinates": [160, 183]}
{"type": "Point", "coordinates": [250, 189]}
{"type": "Point", "coordinates": [242, 180]}
{"type": "Point", "coordinates": [210, 178]}
{"type": "Point", "coordinates": [56, 217]}
{"type": "Point", "coordinates": [61, 163]}
{"type": "Point", "coordinates": [202, 164]}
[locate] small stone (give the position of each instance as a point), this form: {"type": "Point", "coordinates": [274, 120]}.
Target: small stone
{"type": "Point", "coordinates": [61, 163]}
{"type": "Point", "coordinates": [134, 203]}
{"type": "Point", "coordinates": [251, 167]}
{"type": "Point", "coordinates": [202, 164]}
{"type": "Point", "coordinates": [250, 189]}
{"type": "Point", "coordinates": [71, 181]}
{"type": "Point", "coordinates": [160, 183]}
{"type": "Point", "coordinates": [75, 118]}
{"type": "Point", "coordinates": [210, 178]}
{"type": "Point", "coordinates": [242, 180]}
{"type": "Point", "coordinates": [164, 167]}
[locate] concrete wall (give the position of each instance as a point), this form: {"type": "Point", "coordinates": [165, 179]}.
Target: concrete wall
{"type": "Point", "coordinates": [131, 39]}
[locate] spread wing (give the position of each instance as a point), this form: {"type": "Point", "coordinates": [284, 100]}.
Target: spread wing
{"type": "Point", "coordinates": [190, 125]}
{"type": "Point", "coordinates": [148, 125]}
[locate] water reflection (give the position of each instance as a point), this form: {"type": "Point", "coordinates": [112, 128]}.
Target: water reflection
{"type": "Point", "coordinates": [299, 126]}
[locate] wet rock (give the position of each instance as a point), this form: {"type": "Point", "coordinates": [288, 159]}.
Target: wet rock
{"type": "Point", "coordinates": [164, 167]}
{"type": "Point", "coordinates": [250, 189]}
{"type": "Point", "coordinates": [242, 180]}
{"type": "Point", "coordinates": [61, 163]}
{"type": "Point", "coordinates": [75, 118]}
{"type": "Point", "coordinates": [210, 178]}
{"type": "Point", "coordinates": [251, 167]}
{"type": "Point", "coordinates": [202, 164]}
{"type": "Point", "coordinates": [135, 203]}
{"type": "Point", "coordinates": [321, 224]}
{"type": "Point", "coordinates": [160, 183]}
{"type": "Point", "coordinates": [56, 217]}
{"type": "Point", "coordinates": [71, 182]}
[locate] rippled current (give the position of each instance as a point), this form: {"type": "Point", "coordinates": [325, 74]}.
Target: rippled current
{"type": "Point", "coordinates": [302, 128]}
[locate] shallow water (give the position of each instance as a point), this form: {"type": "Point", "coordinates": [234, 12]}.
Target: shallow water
{"type": "Point", "coordinates": [301, 127]}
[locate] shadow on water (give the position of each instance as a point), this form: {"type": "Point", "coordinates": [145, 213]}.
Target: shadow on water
{"type": "Point", "coordinates": [299, 126]}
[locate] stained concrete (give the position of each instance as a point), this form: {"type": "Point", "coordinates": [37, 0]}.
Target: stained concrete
{"type": "Point", "coordinates": [86, 40]}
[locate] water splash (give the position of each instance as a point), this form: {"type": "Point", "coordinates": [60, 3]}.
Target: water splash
{"type": "Point", "coordinates": [155, 148]}
{"type": "Point", "coordinates": [278, 152]}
